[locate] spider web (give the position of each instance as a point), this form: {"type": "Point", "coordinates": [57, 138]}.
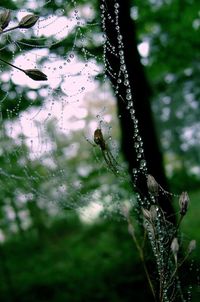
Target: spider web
{"type": "Point", "coordinates": [45, 156]}
{"type": "Point", "coordinates": [47, 137]}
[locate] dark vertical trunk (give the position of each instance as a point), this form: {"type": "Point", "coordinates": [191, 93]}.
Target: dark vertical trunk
{"type": "Point", "coordinates": [141, 92]}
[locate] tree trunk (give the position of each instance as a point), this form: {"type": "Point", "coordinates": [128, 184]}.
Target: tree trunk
{"type": "Point", "coordinates": [141, 92]}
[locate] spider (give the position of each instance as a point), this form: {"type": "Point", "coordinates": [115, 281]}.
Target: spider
{"type": "Point", "coordinates": [107, 155]}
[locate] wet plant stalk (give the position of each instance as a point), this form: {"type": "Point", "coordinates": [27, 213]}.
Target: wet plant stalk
{"type": "Point", "coordinates": [11, 65]}
{"type": "Point", "coordinates": [9, 29]}
{"type": "Point", "coordinates": [141, 254]}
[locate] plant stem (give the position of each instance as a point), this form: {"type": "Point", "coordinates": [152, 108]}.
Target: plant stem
{"type": "Point", "coordinates": [177, 268]}
{"type": "Point", "coordinates": [141, 254]}
{"type": "Point", "coordinates": [9, 29]}
{"type": "Point", "coordinates": [11, 65]}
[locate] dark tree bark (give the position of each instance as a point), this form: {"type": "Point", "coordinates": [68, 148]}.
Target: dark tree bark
{"type": "Point", "coordinates": [141, 92]}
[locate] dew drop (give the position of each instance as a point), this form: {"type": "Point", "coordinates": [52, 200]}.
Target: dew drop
{"type": "Point", "coordinates": [134, 171]}
{"type": "Point", "coordinates": [143, 163]}
{"type": "Point", "coordinates": [119, 37]}
{"type": "Point", "coordinates": [130, 104]}
{"type": "Point", "coordinates": [123, 67]}
{"type": "Point", "coordinates": [128, 97]}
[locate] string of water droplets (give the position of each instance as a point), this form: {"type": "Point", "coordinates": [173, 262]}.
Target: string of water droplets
{"type": "Point", "coordinates": [138, 145]}
{"type": "Point", "coordinates": [163, 232]}
{"type": "Point", "coordinates": [122, 79]}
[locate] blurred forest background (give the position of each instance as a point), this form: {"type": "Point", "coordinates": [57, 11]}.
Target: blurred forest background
{"type": "Point", "coordinates": [62, 234]}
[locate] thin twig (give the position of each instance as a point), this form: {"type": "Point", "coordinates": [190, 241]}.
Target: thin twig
{"type": "Point", "coordinates": [141, 254]}
{"type": "Point", "coordinates": [9, 29]}
{"type": "Point", "coordinates": [11, 65]}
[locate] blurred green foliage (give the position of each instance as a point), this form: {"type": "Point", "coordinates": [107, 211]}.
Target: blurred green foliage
{"type": "Point", "coordinates": [76, 262]}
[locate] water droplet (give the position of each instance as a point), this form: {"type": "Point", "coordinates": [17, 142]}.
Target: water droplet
{"type": "Point", "coordinates": [123, 67]}
{"type": "Point", "coordinates": [134, 171]}
{"type": "Point", "coordinates": [143, 163]}
{"type": "Point", "coordinates": [128, 97]}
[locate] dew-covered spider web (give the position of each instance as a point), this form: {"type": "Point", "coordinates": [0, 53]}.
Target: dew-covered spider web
{"type": "Point", "coordinates": [48, 153]}
{"type": "Point", "coordinates": [48, 148]}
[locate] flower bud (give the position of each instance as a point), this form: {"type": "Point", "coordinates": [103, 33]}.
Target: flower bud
{"type": "Point", "coordinates": [35, 74]}
{"type": "Point", "coordinates": [28, 21]}
{"type": "Point", "coordinates": [191, 246]}
{"type": "Point", "coordinates": [125, 211]}
{"type": "Point", "coordinates": [146, 213]}
{"type": "Point", "coordinates": [175, 246]}
{"type": "Point", "coordinates": [131, 229]}
{"type": "Point", "coordinates": [150, 214]}
{"type": "Point", "coordinates": [153, 212]}
{"type": "Point", "coordinates": [4, 19]}
{"type": "Point", "coordinates": [152, 185]}
{"type": "Point", "coordinates": [183, 202]}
